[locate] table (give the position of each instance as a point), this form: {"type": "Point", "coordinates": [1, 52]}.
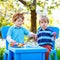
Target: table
{"type": "Point", "coordinates": [29, 53]}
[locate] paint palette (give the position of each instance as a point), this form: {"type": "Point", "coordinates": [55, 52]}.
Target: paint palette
{"type": "Point", "coordinates": [17, 45]}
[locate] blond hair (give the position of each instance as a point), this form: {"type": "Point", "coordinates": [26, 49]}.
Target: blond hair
{"type": "Point", "coordinates": [44, 17]}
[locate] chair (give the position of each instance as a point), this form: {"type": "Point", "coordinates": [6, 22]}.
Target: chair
{"type": "Point", "coordinates": [53, 51]}
{"type": "Point", "coordinates": [4, 31]}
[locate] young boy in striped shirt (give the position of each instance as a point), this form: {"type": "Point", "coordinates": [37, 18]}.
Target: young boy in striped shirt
{"type": "Point", "coordinates": [44, 35]}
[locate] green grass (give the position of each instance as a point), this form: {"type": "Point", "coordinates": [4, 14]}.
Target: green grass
{"type": "Point", "coordinates": [58, 54]}
{"type": "Point", "coordinates": [1, 53]}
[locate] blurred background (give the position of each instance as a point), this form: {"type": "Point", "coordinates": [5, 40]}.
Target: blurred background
{"type": "Point", "coordinates": [32, 10]}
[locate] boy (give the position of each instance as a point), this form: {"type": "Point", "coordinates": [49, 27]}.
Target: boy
{"type": "Point", "coordinates": [45, 35]}
{"type": "Point", "coordinates": [16, 32]}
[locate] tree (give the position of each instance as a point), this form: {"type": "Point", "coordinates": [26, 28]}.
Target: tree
{"type": "Point", "coordinates": [9, 7]}
{"type": "Point", "coordinates": [32, 7]}
{"type": "Point", "coordinates": [32, 4]}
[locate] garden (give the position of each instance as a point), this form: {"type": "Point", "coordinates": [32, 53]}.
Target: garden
{"type": "Point", "coordinates": [32, 10]}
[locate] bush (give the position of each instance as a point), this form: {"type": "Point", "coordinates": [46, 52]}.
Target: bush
{"type": "Point", "coordinates": [0, 34]}
{"type": "Point", "coordinates": [1, 53]}
{"type": "Point", "coordinates": [58, 54]}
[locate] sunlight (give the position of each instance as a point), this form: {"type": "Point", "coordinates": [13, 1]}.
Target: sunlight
{"type": "Point", "coordinates": [27, 0]}
{"type": "Point", "coordinates": [56, 14]}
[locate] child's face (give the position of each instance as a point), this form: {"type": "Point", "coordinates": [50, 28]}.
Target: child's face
{"type": "Point", "coordinates": [18, 22]}
{"type": "Point", "coordinates": [43, 24]}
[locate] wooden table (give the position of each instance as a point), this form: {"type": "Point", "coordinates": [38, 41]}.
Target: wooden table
{"type": "Point", "coordinates": [27, 53]}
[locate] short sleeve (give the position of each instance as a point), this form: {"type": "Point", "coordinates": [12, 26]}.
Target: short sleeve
{"type": "Point", "coordinates": [52, 34]}
{"type": "Point", "coordinates": [9, 33]}
{"type": "Point", "coordinates": [26, 32]}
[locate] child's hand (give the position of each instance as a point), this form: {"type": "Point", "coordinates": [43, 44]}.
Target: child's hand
{"type": "Point", "coordinates": [54, 35]}
{"type": "Point", "coordinates": [35, 38]}
{"type": "Point", "coordinates": [33, 35]}
{"type": "Point", "coordinates": [13, 41]}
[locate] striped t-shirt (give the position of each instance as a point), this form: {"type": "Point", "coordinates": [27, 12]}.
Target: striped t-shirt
{"type": "Point", "coordinates": [44, 37]}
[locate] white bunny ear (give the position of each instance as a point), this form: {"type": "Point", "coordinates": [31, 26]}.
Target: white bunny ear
{"type": "Point", "coordinates": [45, 12]}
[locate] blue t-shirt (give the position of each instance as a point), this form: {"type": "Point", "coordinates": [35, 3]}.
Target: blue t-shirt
{"type": "Point", "coordinates": [17, 34]}
{"type": "Point", "coordinates": [44, 37]}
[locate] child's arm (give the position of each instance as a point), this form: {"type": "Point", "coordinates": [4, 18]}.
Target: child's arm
{"type": "Point", "coordinates": [35, 37]}
{"type": "Point", "coordinates": [31, 34]}
{"type": "Point", "coordinates": [54, 35]}
{"type": "Point", "coordinates": [10, 40]}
